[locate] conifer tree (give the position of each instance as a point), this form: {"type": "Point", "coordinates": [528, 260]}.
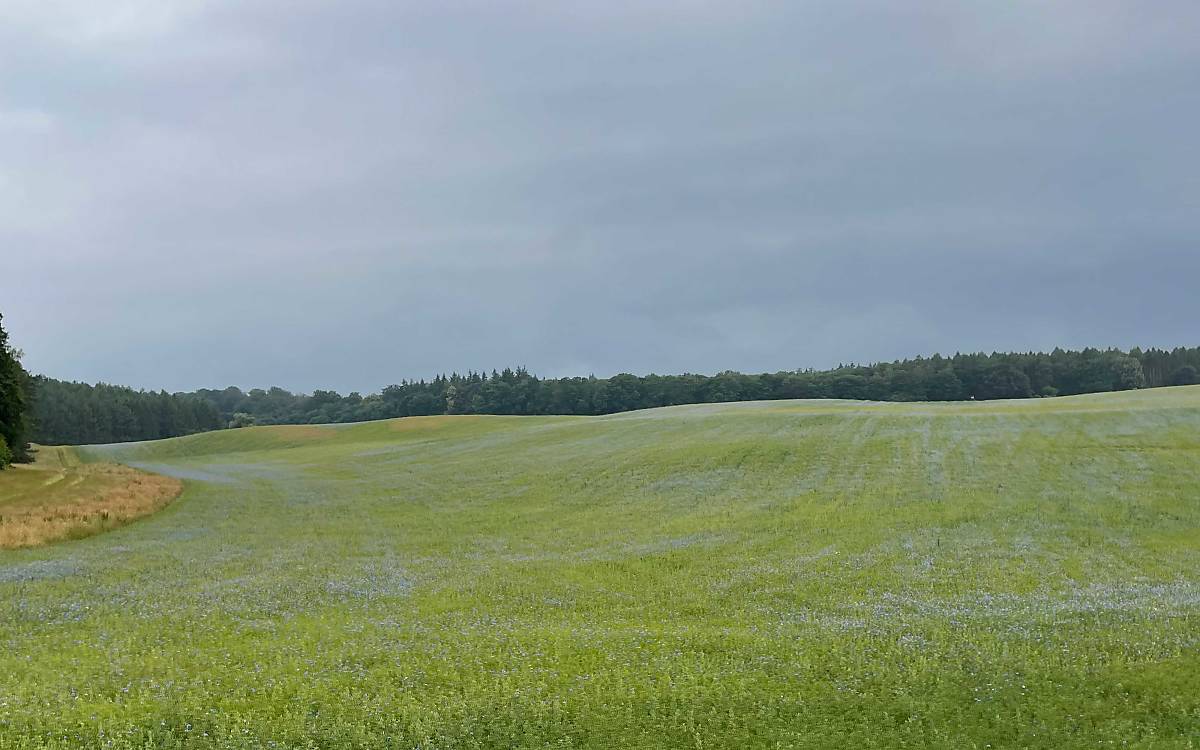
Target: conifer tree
{"type": "Point", "coordinates": [14, 389]}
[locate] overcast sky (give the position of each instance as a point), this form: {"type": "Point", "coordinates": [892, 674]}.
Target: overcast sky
{"type": "Point", "coordinates": [344, 194]}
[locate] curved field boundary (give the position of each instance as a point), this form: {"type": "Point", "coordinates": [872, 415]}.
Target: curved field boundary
{"type": "Point", "coordinates": [59, 497]}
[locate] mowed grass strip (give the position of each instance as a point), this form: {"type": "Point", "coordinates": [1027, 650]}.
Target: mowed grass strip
{"type": "Point", "coordinates": [58, 497]}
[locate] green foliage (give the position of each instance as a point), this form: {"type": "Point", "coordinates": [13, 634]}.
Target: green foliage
{"type": "Point", "coordinates": [14, 398]}
{"type": "Point", "coordinates": [1127, 374]}
{"type": "Point", "coordinates": [241, 419]}
{"type": "Point", "coordinates": [5, 453]}
{"type": "Point", "coordinates": [79, 414]}
{"type": "Point", "coordinates": [768, 575]}
{"type": "Point", "coordinates": [1005, 381]}
{"type": "Point", "coordinates": [1186, 375]}
{"type": "Point", "coordinates": [963, 376]}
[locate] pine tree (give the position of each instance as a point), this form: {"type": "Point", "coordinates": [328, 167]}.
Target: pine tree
{"type": "Point", "coordinates": [14, 388]}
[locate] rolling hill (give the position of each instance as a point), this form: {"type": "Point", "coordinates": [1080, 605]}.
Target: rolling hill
{"type": "Point", "coordinates": [761, 574]}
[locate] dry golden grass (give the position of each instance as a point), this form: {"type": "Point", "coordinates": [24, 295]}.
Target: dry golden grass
{"type": "Point", "coordinates": [58, 498]}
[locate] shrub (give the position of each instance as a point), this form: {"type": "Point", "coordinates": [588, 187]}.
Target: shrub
{"type": "Point", "coordinates": [241, 419]}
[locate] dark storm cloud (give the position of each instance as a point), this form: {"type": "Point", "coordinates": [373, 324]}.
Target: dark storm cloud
{"type": "Point", "coordinates": [346, 194]}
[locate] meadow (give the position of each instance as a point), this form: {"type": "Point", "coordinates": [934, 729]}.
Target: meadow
{"type": "Point", "coordinates": [786, 574]}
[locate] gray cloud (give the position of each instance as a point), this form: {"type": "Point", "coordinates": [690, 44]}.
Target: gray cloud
{"type": "Point", "coordinates": [346, 194]}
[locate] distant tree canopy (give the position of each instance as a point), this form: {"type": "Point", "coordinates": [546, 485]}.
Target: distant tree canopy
{"type": "Point", "coordinates": [78, 413]}
{"type": "Point", "coordinates": [14, 404]}
{"type": "Point", "coordinates": [1186, 375]}
{"type": "Point", "coordinates": [937, 378]}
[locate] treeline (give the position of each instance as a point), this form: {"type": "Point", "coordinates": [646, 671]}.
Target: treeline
{"type": "Point", "coordinates": [963, 376]}
{"type": "Point", "coordinates": [14, 404]}
{"type": "Point", "coordinates": [78, 413]}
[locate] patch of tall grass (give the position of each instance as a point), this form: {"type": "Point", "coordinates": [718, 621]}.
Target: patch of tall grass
{"type": "Point", "coordinates": [59, 498]}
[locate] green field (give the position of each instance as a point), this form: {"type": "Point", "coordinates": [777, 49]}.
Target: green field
{"type": "Point", "coordinates": [756, 575]}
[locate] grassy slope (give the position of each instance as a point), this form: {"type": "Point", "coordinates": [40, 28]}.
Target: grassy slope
{"type": "Point", "coordinates": [784, 574]}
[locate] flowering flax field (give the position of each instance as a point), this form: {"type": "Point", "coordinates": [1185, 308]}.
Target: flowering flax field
{"type": "Point", "coordinates": [791, 574]}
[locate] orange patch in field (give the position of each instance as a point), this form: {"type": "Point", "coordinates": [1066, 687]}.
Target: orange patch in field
{"type": "Point", "coordinates": [428, 424]}
{"type": "Point", "coordinates": [302, 431]}
{"type": "Point", "coordinates": [39, 506]}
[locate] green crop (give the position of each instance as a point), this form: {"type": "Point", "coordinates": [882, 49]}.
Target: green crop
{"type": "Point", "coordinates": [794, 574]}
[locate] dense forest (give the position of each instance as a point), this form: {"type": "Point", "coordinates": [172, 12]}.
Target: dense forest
{"type": "Point", "coordinates": [14, 404]}
{"type": "Point", "coordinates": [963, 376]}
{"type": "Point", "coordinates": [78, 413]}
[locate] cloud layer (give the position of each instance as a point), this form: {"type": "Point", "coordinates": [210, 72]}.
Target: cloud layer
{"type": "Point", "coordinates": [347, 194]}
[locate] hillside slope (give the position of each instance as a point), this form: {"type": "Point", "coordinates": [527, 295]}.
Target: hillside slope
{"type": "Point", "coordinates": [766, 574]}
